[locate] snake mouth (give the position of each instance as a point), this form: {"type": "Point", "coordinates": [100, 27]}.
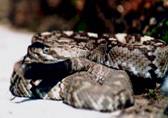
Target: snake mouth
{"type": "Point", "coordinates": [28, 79]}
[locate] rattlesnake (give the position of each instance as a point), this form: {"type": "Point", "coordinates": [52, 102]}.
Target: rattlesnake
{"type": "Point", "coordinates": [88, 70]}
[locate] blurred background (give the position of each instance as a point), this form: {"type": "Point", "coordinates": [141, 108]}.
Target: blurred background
{"type": "Point", "coordinates": [130, 16]}
{"type": "Point", "coordinates": [102, 16]}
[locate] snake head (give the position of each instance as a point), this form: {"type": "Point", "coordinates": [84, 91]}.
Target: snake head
{"type": "Point", "coordinates": [51, 47]}
{"type": "Point", "coordinates": [40, 52]}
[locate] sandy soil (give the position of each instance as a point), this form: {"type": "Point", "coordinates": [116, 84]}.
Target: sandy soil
{"type": "Point", "coordinates": [13, 45]}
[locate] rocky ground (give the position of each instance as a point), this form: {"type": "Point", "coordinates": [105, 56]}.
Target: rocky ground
{"type": "Point", "coordinates": [150, 105]}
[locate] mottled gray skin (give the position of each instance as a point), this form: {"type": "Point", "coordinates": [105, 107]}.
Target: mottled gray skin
{"type": "Point", "coordinates": [142, 56]}
{"type": "Point", "coordinates": [92, 86]}
{"type": "Point", "coordinates": [91, 80]}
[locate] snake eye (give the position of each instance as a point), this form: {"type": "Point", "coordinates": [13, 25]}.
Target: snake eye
{"type": "Point", "coordinates": [46, 50]}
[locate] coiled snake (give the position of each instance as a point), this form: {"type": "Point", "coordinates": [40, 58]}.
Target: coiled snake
{"type": "Point", "coordinates": [87, 70]}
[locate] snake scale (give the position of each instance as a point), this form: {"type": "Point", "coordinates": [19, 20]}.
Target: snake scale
{"type": "Point", "coordinates": [87, 70]}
